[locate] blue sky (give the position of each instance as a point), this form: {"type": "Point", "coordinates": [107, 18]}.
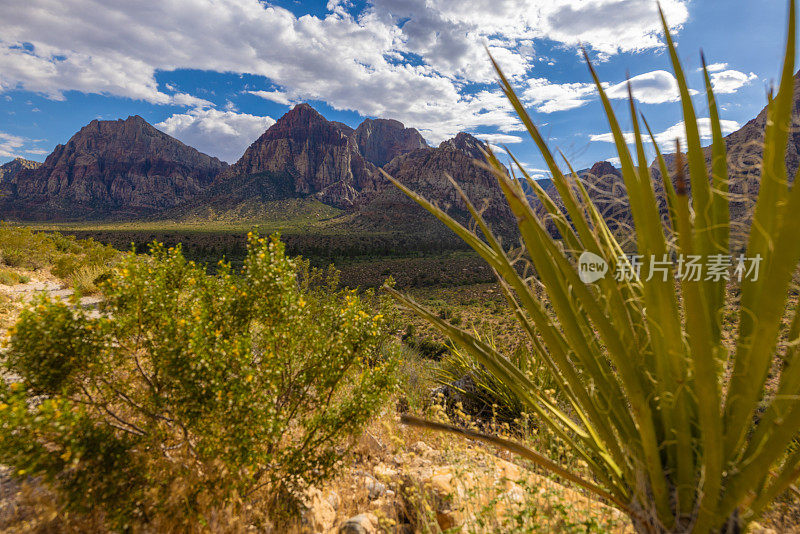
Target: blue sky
{"type": "Point", "coordinates": [217, 73]}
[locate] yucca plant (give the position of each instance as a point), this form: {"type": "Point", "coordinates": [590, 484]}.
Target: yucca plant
{"type": "Point", "coordinates": [679, 429]}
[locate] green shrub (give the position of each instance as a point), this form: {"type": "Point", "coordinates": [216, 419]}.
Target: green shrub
{"type": "Point", "coordinates": [220, 385]}
{"type": "Point", "coordinates": [65, 265]}
{"type": "Point", "coordinates": [483, 395]}
{"type": "Point", "coordinates": [10, 278]}
{"type": "Point", "coordinates": [22, 247]}
{"type": "Point", "coordinates": [86, 280]}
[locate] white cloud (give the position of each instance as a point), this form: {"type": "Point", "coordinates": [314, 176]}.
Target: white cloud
{"type": "Point", "coordinates": [224, 134]}
{"type": "Point", "coordinates": [660, 86]}
{"type": "Point", "coordinates": [654, 87]}
{"type": "Point", "coordinates": [547, 97]}
{"type": "Point", "coordinates": [14, 146]}
{"type": "Point", "coordinates": [608, 26]}
{"type": "Point", "coordinates": [354, 63]}
{"type": "Point", "coordinates": [715, 67]}
{"type": "Point", "coordinates": [189, 101]}
{"type": "Point", "coordinates": [274, 96]}
{"type": "Point", "coordinates": [498, 138]}
{"type": "Point", "coordinates": [497, 149]}
{"type": "Point", "coordinates": [730, 81]}
{"type": "Point", "coordinates": [666, 139]}
{"type": "Point", "coordinates": [10, 145]}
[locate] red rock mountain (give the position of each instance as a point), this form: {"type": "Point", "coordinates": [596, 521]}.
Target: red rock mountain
{"type": "Point", "coordinates": [305, 155]}
{"type": "Point", "coordinates": [111, 168]}
{"type": "Point", "coordinates": [10, 169]}
{"type": "Point", "coordinates": [318, 157]}
{"type": "Point", "coordinates": [381, 140]}
{"type": "Point", "coordinates": [424, 171]}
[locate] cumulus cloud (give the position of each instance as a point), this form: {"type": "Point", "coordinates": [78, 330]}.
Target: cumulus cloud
{"type": "Point", "coordinates": [498, 139]}
{"type": "Point", "coordinates": [654, 87]}
{"type": "Point", "coordinates": [274, 96]}
{"type": "Point", "coordinates": [10, 145]}
{"type": "Point", "coordinates": [224, 134]}
{"type": "Point", "coordinates": [730, 81]}
{"type": "Point", "coordinates": [15, 146]}
{"type": "Point", "coordinates": [666, 139]}
{"type": "Point", "coordinates": [714, 67]}
{"type": "Point", "coordinates": [408, 59]}
{"type": "Point", "coordinates": [608, 26]}
{"type": "Point", "coordinates": [661, 86]}
{"type": "Point", "coordinates": [547, 97]}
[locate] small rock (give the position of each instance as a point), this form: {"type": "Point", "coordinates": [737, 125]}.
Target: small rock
{"type": "Point", "coordinates": [333, 499]}
{"type": "Point", "coordinates": [320, 514]}
{"type": "Point", "coordinates": [360, 524]}
{"type": "Point", "coordinates": [375, 488]}
{"type": "Point", "coordinates": [442, 483]}
{"type": "Point", "coordinates": [421, 447]}
{"type": "Point", "coordinates": [385, 472]}
{"type": "Point", "coordinates": [446, 520]}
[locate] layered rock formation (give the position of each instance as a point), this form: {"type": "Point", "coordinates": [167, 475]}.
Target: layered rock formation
{"type": "Point", "coordinates": [316, 156]}
{"type": "Point", "coordinates": [112, 168]}
{"type": "Point", "coordinates": [305, 155]}
{"type": "Point", "coordinates": [425, 172]}
{"type": "Point", "coordinates": [10, 169]}
{"type": "Point", "coordinates": [381, 140]}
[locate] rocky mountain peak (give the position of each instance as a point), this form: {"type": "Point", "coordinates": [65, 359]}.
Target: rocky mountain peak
{"type": "Point", "coordinates": [603, 168]}
{"type": "Point", "coordinates": [113, 168]}
{"type": "Point", "coordinates": [466, 143]}
{"type": "Point", "coordinates": [298, 123]}
{"type": "Point", "coordinates": [315, 156]}
{"type": "Point", "coordinates": [381, 140]}
{"type": "Point", "coordinates": [11, 168]}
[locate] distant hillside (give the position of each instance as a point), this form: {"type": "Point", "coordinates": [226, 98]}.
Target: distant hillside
{"type": "Point", "coordinates": [425, 171]}
{"type": "Point", "coordinates": [127, 169]}
{"type": "Point", "coordinates": [123, 168]}
{"type": "Point", "coordinates": [305, 156]}
{"type": "Point", "coordinates": [10, 169]}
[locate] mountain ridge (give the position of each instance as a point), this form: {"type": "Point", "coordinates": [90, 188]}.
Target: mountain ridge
{"type": "Point", "coordinates": [124, 167]}
{"type": "Point", "coordinates": [128, 168]}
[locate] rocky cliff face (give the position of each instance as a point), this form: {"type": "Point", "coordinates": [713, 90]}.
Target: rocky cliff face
{"type": "Point", "coordinates": [112, 168]}
{"type": "Point", "coordinates": [339, 166]}
{"type": "Point", "coordinates": [381, 140]}
{"type": "Point", "coordinates": [424, 171]}
{"type": "Point", "coordinates": [745, 146]}
{"type": "Point", "coordinates": [10, 169]}
{"type": "Point", "coordinates": [317, 156]}
{"type": "Point", "coordinates": [465, 144]}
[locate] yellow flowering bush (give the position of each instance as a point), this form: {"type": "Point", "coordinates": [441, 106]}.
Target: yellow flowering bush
{"type": "Point", "coordinates": [231, 383]}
